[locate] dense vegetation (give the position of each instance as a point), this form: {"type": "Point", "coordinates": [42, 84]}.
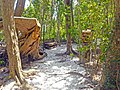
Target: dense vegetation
{"type": "Point", "coordinates": [95, 15]}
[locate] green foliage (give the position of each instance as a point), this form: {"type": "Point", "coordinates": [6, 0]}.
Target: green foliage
{"type": "Point", "coordinates": [97, 16]}
{"type": "Point", "coordinates": [2, 62]}
{"type": "Point", "coordinates": [29, 12]}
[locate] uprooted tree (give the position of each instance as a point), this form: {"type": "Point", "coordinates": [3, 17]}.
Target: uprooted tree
{"type": "Point", "coordinates": [28, 32]}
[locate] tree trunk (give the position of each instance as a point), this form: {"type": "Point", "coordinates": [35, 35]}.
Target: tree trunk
{"type": "Point", "coordinates": [19, 7]}
{"type": "Point", "coordinates": [72, 16]}
{"type": "Point", "coordinates": [0, 13]}
{"type": "Point", "coordinates": [43, 29]}
{"type": "Point", "coordinates": [113, 61]}
{"type": "Point", "coordinates": [18, 10]}
{"type": "Point", "coordinates": [68, 27]}
{"type": "Point", "coordinates": [28, 31]}
{"type": "Point", "coordinates": [12, 41]}
{"type": "Point", "coordinates": [58, 23]}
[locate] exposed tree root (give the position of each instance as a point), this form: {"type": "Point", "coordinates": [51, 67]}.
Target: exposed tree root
{"type": "Point", "coordinates": [26, 86]}
{"type": "Point", "coordinates": [71, 52]}
{"type": "Point", "coordinates": [68, 53]}
{"type": "Point", "coordinates": [28, 73]}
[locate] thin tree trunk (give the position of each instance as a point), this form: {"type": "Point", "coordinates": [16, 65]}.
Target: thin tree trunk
{"type": "Point", "coordinates": [52, 11]}
{"type": "Point", "coordinates": [19, 7]}
{"type": "Point", "coordinates": [12, 41]}
{"type": "Point", "coordinates": [0, 13]}
{"type": "Point", "coordinates": [58, 24]}
{"type": "Point", "coordinates": [72, 16]}
{"type": "Point", "coordinates": [43, 29]}
{"type": "Point", "coordinates": [112, 63]}
{"type": "Point", "coordinates": [68, 27]}
{"type": "Point", "coordinates": [115, 66]}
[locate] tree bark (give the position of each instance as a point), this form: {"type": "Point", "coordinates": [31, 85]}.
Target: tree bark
{"type": "Point", "coordinates": [18, 10]}
{"type": "Point", "coordinates": [51, 17]}
{"type": "Point", "coordinates": [58, 23]}
{"type": "Point", "coordinates": [72, 16]}
{"type": "Point", "coordinates": [28, 32]}
{"type": "Point", "coordinates": [19, 7]}
{"type": "Point", "coordinates": [113, 60]}
{"type": "Point", "coordinates": [68, 26]}
{"type": "Point", "coordinates": [0, 13]}
{"type": "Point", "coordinates": [12, 41]}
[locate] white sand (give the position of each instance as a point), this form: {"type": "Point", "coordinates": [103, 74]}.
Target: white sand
{"type": "Point", "coordinates": [57, 73]}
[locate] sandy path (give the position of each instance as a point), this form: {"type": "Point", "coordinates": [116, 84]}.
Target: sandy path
{"type": "Point", "coordinates": [59, 73]}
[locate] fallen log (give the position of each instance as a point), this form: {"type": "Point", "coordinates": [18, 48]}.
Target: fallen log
{"type": "Point", "coordinates": [49, 45]}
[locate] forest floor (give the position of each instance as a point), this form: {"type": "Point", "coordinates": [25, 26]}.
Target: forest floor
{"type": "Point", "coordinates": [56, 72]}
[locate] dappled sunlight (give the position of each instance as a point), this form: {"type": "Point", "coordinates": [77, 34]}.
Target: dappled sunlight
{"type": "Point", "coordinates": [63, 50]}
{"type": "Point", "coordinates": [54, 49]}
{"type": "Point", "coordinates": [59, 44]}
{"type": "Point", "coordinates": [75, 59]}
{"type": "Point", "coordinates": [60, 73]}
{"type": "Point", "coordinates": [9, 84]}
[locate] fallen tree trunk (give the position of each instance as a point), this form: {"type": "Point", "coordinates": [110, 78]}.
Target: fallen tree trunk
{"type": "Point", "coordinates": [28, 31]}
